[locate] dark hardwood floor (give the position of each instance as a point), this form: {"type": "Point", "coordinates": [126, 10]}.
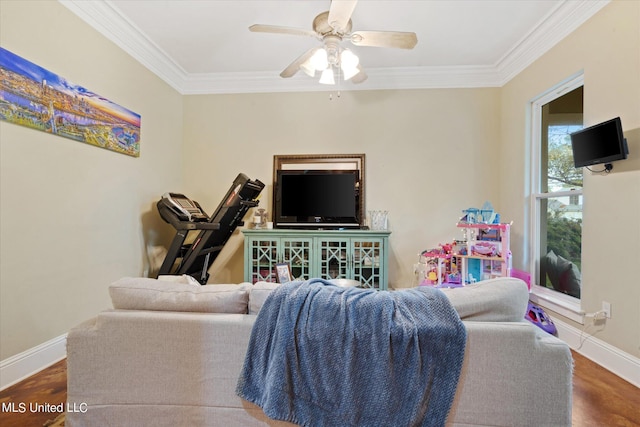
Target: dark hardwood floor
{"type": "Point", "coordinates": [47, 386]}
{"type": "Point", "coordinates": [600, 398]}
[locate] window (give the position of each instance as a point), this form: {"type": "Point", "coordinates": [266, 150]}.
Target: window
{"type": "Point", "coordinates": [556, 201]}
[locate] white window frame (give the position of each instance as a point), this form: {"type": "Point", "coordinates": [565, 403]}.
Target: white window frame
{"type": "Point", "coordinates": [558, 302]}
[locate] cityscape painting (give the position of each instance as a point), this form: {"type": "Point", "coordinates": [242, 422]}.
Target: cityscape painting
{"type": "Point", "coordinates": [34, 97]}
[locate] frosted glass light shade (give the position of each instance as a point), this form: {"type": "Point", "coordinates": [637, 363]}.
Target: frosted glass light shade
{"type": "Point", "coordinates": [349, 59]}
{"type": "Point", "coordinates": [327, 77]}
{"type": "Point", "coordinates": [319, 60]}
{"type": "Point", "coordinates": [349, 64]}
{"type": "Point", "coordinates": [308, 68]}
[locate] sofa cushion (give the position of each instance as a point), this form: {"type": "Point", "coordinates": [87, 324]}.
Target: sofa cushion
{"type": "Point", "coordinates": [259, 294]}
{"type": "Point", "coordinates": [131, 293]}
{"type": "Point", "coordinates": [503, 299]}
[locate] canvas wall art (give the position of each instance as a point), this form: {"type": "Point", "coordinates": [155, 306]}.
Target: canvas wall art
{"type": "Point", "coordinates": [34, 97]}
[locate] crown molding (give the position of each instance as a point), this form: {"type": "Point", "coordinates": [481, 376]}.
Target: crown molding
{"type": "Point", "coordinates": [560, 22]}
{"type": "Point", "coordinates": [108, 21]}
{"type": "Point", "coordinates": [378, 79]}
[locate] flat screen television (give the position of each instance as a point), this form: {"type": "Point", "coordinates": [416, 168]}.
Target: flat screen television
{"type": "Point", "coordinates": [601, 143]}
{"type": "Point", "coordinates": [317, 199]}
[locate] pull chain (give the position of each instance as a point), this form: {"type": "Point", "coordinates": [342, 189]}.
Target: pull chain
{"type": "Point", "coordinates": [339, 84]}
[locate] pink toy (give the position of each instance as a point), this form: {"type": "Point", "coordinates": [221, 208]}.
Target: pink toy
{"type": "Point", "coordinates": [484, 248]}
{"type": "Point", "coordinates": [444, 269]}
{"type": "Point", "coordinates": [522, 275]}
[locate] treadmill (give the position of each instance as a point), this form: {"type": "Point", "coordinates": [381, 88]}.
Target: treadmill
{"type": "Point", "coordinates": [213, 232]}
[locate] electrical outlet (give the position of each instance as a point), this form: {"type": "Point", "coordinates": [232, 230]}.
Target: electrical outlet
{"type": "Point", "coordinates": [606, 307]}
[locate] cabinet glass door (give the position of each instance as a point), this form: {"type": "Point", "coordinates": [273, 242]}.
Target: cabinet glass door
{"type": "Point", "coordinates": [297, 254]}
{"type": "Point", "coordinates": [264, 256]}
{"type": "Point", "coordinates": [366, 263]}
{"type": "Point", "coordinates": [333, 259]}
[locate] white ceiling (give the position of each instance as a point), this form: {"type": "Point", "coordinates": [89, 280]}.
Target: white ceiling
{"type": "Point", "coordinates": [204, 46]}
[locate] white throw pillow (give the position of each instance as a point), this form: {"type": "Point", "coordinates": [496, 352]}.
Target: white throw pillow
{"type": "Point", "coordinates": [130, 293]}
{"type": "Point", "coordinates": [259, 294]}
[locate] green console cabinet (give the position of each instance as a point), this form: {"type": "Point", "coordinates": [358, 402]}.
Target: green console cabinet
{"type": "Point", "coordinates": [360, 255]}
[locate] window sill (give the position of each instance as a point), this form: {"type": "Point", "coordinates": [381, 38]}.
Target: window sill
{"type": "Point", "coordinates": [564, 305]}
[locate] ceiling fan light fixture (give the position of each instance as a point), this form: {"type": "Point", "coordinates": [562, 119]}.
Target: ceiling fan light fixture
{"type": "Point", "coordinates": [349, 63]}
{"type": "Point", "coordinates": [332, 55]}
{"type": "Point", "coordinates": [327, 77]}
{"type": "Point", "coordinates": [319, 60]}
{"type": "Point", "coordinates": [332, 28]}
{"type": "Point", "coordinates": [348, 59]}
{"type": "Point", "coordinates": [350, 72]}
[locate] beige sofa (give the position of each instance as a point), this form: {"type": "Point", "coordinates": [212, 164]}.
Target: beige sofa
{"type": "Point", "coordinates": [161, 358]}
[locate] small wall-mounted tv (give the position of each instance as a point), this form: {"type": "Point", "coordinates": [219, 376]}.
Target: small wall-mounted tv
{"type": "Point", "coordinates": [317, 199]}
{"type": "Point", "coordinates": [601, 143]}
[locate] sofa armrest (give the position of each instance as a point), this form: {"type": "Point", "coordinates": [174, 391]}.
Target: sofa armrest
{"type": "Point", "coordinates": [503, 299]}
{"type": "Point", "coordinates": [131, 360]}
{"type": "Point", "coordinates": [514, 374]}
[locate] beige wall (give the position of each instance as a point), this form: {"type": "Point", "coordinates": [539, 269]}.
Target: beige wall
{"type": "Point", "coordinates": [429, 154]}
{"type": "Point", "coordinates": [607, 48]}
{"type": "Point", "coordinates": [74, 216]}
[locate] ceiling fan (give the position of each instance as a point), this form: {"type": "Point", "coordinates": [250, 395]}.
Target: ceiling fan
{"type": "Point", "coordinates": [332, 27]}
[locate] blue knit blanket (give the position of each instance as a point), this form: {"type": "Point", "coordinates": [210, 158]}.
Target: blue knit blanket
{"type": "Point", "coordinates": [322, 355]}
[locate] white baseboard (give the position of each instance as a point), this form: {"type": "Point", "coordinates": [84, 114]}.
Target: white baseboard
{"type": "Point", "coordinates": [23, 365]}
{"type": "Point", "coordinates": [609, 357]}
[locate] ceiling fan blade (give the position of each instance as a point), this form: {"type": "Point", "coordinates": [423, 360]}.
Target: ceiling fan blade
{"type": "Point", "coordinates": [293, 68]}
{"type": "Point", "coordinates": [395, 39]}
{"type": "Point", "coordinates": [275, 29]}
{"type": "Point", "coordinates": [340, 14]}
{"type": "Point", "coordinates": [360, 77]}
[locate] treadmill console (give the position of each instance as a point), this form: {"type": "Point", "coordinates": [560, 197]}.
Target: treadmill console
{"type": "Point", "coordinates": [185, 208]}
